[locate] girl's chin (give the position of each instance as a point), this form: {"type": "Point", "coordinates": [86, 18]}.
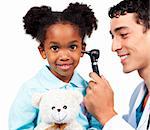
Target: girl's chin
{"type": "Point", "coordinates": [64, 73]}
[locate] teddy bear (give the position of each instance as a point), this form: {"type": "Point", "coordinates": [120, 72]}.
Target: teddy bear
{"type": "Point", "coordinates": [59, 109]}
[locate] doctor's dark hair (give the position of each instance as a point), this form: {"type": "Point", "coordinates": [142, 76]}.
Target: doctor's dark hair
{"type": "Point", "coordinates": [38, 19]}
{"type": "Point", "coordinates": [140, 7]}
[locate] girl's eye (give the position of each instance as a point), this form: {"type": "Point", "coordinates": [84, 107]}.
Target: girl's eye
{"type": "Point", "coordinates": [73, 47]}
{"type": "Point", "coordinates": [54, 48]}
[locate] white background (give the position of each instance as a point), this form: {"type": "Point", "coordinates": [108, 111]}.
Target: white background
{"type": "Point", "coordinates": [20, 59]}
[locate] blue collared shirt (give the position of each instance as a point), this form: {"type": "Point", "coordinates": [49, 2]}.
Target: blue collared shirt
{"type": "Point", "coordinates": [23, 116]}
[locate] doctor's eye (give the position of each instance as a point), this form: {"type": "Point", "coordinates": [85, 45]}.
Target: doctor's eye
{"type": "Point", "coordinates": [124, 35]}
{"type": "Point", "coordinates": [53, 108]}
{"type": "Point", "coordinates": [64, 107]}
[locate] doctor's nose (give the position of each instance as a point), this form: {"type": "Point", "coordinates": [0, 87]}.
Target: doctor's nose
{"type": "Point", "coordinates": [116, 45]}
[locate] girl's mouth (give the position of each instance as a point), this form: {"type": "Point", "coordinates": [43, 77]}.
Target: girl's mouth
{"type": "Point", "coordinates": [64, 66]}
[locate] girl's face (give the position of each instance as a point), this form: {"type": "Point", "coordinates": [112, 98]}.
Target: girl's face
{"type": "Point", "coordinates": [62, 48]}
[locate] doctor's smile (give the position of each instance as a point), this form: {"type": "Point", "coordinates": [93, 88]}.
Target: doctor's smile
{"type": "Point", "coordinates": [123, 58]}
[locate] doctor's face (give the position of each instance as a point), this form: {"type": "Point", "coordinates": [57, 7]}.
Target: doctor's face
{"type": "Point", "coordinates": [131, 42]}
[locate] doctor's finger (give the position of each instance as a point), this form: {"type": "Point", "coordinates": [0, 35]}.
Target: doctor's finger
{"type": "Point", "coordinates": [92, 83]}
{"type": "Point", "coordinates": [95, 77]}
{"type": "Point", "coordinates": [106, 81]}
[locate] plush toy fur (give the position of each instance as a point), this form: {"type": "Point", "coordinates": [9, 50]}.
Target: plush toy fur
{"type": "Point", "coordinates": [59, 109]}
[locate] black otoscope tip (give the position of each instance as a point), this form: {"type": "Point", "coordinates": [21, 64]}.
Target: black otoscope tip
{"type": "Point", "coordinates": [94, 55]}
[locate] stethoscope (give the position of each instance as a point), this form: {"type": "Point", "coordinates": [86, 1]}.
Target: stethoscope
{"type": "Point", "coordinates": [148, 123]}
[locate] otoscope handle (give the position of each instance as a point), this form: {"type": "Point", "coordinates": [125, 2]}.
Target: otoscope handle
{"type": "Point", "coordinates": [95, 68]}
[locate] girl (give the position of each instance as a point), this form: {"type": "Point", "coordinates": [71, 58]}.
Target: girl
{"type": "Point", "coordinates": [61, 37]}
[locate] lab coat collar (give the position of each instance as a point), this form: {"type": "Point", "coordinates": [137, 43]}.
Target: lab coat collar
{"type": "Point", "coordinates": [132, 117]}
{"type": "Point", "coordinates": [145, 115]}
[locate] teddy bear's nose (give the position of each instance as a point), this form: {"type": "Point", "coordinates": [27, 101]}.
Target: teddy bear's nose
{"type": "Point", "coordinates": [58, 110]}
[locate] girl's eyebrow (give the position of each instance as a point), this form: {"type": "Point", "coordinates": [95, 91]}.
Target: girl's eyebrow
{"type": "Point", "coordinates": [73, 41]}
{"type": "Point", "coordinates": [53, 42]}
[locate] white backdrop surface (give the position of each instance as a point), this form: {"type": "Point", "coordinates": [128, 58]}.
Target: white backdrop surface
{"type": "Point", "coordinates": [20, 58]}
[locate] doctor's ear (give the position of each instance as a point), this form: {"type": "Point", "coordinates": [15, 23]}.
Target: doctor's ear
{"type": "Point", "coordinates": [42, 51]}
{"type": "Point", "coordinates": [83, 48]}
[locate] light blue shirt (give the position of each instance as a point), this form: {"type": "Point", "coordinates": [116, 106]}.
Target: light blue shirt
{"type": "Point", "coordinates": [23, 116]}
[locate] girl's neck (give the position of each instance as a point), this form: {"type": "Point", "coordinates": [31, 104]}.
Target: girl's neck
{"type": "Point", "coordinates": [65, 79]}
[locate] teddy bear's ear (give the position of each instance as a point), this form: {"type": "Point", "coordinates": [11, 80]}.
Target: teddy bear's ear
{"type": "Point", "coordinates": [36, 98]}
{"type": "Point", "coordinates": [78, 96]}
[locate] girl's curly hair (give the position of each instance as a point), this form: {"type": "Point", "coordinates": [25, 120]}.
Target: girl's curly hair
{"type": "Point", "coordinates": [38, 19]}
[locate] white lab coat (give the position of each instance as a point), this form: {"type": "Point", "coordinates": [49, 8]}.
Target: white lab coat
{"type": "Point", "coordinates": [128, 122]}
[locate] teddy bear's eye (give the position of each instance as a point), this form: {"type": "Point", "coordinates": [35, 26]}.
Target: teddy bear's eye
{"type": "Point", "coordinates": [65, 107]}
{"type": "Point", "coordinates": [53, 108]}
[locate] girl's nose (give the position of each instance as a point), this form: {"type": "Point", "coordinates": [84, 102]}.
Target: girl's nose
{"type": "Point", "coordinates": [64, 55]}
{"type": "Point", "coordinates": [116, 45]}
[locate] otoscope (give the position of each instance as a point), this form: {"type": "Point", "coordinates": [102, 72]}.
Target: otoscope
{"type": "Point", "coordinates": [94, 55]}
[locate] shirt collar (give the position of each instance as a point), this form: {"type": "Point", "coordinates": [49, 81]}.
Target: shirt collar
{"type": "Point", "coordinates": [50, 81]}
{"type": "Point", "coordinates": [78, 81]}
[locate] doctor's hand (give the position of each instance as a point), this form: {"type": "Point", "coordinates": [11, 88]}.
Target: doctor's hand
{"type": "Point", "coordinates": [99, 99]}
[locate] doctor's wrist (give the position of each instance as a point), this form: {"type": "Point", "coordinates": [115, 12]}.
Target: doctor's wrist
{"type": "Point", "coordinates": [105, 117]}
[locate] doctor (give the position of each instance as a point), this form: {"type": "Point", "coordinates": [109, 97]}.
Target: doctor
{"type": "Point", "coordinates": [130, 30]}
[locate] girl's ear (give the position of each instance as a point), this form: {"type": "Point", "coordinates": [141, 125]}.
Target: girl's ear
{"type": "Point", "coordinates": [83, 48]}
{"type": "Point", "coordinates": [42, 52]}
